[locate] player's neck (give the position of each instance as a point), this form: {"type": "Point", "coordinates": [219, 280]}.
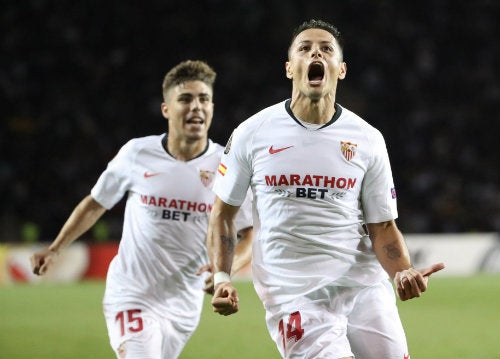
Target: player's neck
{"type": "Point", "coordinates": [312, 111]}
{"type": "Point", "coordinates": [185, 150]}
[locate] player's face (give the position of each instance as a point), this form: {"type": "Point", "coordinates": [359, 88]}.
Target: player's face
{"type": "Point", "coordinates": [315, 63]}
{"type": "Point", "coordinates": [189, 110]}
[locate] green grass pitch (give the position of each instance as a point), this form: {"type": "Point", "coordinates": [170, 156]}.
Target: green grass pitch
{"type": "Point", "coordinates": [458, 318]}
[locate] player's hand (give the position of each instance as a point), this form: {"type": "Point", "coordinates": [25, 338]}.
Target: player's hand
{"type": "Point", "coordinates": [411, 283]}
{"type": "Point", "coordinates": [225, 300]}
{"type": "Point", "coordinates": [209, 281]}
{"type": "Point", "coordinates": [42, 260]}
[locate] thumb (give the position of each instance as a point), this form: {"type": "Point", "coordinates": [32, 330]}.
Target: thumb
{"type": "Point", "coordinates": [43, 268]}
{"type": "Point", "coordinates": [432, 269]}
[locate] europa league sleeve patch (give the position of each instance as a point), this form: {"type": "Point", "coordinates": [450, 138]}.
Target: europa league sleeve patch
{"type": "Point", "coordinates": [228, 145]}
{"type": "Point", "coordinates": [393, 193]}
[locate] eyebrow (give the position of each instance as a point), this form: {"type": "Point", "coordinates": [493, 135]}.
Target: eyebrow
{"type": "Point", "coordinates": [305, 42]}
{"type": "Point", "coordinates": [198, 94]}
{"type": "Point", "coordinates": [188, 94]}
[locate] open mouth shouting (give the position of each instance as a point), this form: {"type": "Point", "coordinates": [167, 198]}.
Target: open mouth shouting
{"type": "Point", "coordinates": [316, 73]}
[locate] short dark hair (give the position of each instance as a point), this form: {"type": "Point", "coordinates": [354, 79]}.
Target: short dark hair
{"type": "Point", "coordinates": [318, 24]}
{"type": "Point", "coordinates": [189, 70]}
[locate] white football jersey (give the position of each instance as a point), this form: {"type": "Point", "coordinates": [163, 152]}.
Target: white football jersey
{"type": "Point", "coordinates": [314, 187]}
{"type": "Point", "coordinates": [163, 242]}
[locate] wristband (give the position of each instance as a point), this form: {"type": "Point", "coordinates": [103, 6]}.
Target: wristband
{"type": "Point", "coordinates": [220, 277]}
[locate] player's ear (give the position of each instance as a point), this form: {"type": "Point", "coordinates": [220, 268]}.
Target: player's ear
{"type": "Point", "coordinates": [288, 69]}
{"type": "Point", "coordinates": [164, 110]}
{"type": "Point", "coordinates": [343, 71]}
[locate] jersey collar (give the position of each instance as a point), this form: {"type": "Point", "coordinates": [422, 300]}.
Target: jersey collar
{"type": "Point", "coordinates": [164, 142]}
{"type": "Point", "coordinates": [336, 115]}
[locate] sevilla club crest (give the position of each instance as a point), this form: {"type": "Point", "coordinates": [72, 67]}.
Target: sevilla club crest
{"type": "Point", "coordinates": [348, 149]}
{"type": "Point", "coordinates": [206, 177]}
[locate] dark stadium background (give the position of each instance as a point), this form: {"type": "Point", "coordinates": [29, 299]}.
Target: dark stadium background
{"type": "Point", "coordinates": [80, 78]}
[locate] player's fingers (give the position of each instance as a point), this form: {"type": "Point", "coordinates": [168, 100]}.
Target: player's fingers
{"type": "Point", "coordinates": [402, 294]}
{"type": "Point", "coordinates": [43, 268]}
{"type": "Point", "coordinates": [409, 288]}
{"type": "Point", "coordinates": [227, 311]}
{"type": "Point", "coordinates": [231, 310]}
{"type": "Point", "coordinates": [222, 302]}
{"type": "Point", "coordinates": [224, 306]}
{"type": "Point", "coordinates": [408, 281]}
{"type": "Point", "coordinates": [226, 290]}
{"type": "Point", "coordinates": [36, 270]}
{"type": "Point", "coordinates": [417, 282]}
{"type": "Point", "coordinates": [404, 279]}
{"type": "Point", "coordinates": [432, 269]}
{"type": "Point", "coordinates": [36, 262]}
{"type": "Point", "coordinates": [203, 269]}
{"type": "Point", "coordinates": [209, 288]}
{"type": "Point", "coordinates": [218, 302]}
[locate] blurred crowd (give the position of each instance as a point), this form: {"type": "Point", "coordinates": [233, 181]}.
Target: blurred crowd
{"type": "Point", "coordinates": [78, 79]}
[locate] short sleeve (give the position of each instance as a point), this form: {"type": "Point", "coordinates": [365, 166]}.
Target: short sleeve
{"type": "Point", "coordinates": [378, 195]}
{"type": "Point", "coordinates": [234, 172]}
{"type": "Point", "coordinates": [244, 215]}
{"type": "Point", "coordinates": [115, 181]}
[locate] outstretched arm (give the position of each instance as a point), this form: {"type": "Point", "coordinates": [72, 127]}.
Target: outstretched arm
{"type": "Point", "coordinates": [392, 253]}
{"type": "Point", "coordinates": [221, 242]}
{"type": "Point", "coordinates": [83, 217]}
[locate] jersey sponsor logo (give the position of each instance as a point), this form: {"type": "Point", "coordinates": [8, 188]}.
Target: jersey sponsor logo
{"type": "Point", "coordinates": [150, 174]}
{"type": "Point", "coordinates": [276, 150]}
{"type": "Point", "coordinates": [206, 177]}
{"type": "Point", "coordinates": [222, 169]}
{"type": "Point", "coordinates": [311, 186]}
{"type": "Point", "coordinates": [312, 193]}
{"type": "Point", "coordinates": [348, 149]}
{"type": "Point", "coordinates": [310, 180]}
{"type": "Point", "coordinates": [173, 203]}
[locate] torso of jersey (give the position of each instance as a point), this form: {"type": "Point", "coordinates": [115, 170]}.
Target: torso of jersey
{"type": "Point", "coordinates": [164, 231]}
{"type": "Point", "coordinates": [314, 188]}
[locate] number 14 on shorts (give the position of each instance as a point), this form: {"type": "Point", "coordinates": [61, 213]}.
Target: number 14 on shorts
{"type": "Point", "coordinates": [293, 330]}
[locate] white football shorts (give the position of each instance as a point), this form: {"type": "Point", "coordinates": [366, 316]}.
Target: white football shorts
{"type": "Point", "coordinates": [336, 322]}
{"type": "Point", "coordinates": [139, 333]}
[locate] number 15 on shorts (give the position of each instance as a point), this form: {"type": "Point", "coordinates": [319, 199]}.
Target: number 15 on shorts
{"type": "Point", "coordinates": [130, 320]}
{"type": "Point", "coordinates": [292, 330]}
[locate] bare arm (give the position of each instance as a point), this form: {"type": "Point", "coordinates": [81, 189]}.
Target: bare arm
{"type": "Point", "coordinates": [222, 237]}
{"type": "Point", "coordinates": [389, 247]}
{"type": "Point", "coordinates": [221, 242]}
{"type": "Point", "coordinates": [83, 217]}
{"type": "Point", "coordinates": [243, 250]}
{"type": "Point", "coordinates": [242, 257]}
{"type": "Point", "coordinates": [392, 253]}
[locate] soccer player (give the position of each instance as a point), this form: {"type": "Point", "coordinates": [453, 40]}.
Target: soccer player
{"type": "Point", "coordinates": [154, 288]}
{"type": "Point", "coordinates": [325, 210]}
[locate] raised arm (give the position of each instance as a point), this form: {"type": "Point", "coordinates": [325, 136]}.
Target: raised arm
{"type": "Point", "coordinates": [83, 217]}
{"type": "Point", "coordinates": [392, 253]}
